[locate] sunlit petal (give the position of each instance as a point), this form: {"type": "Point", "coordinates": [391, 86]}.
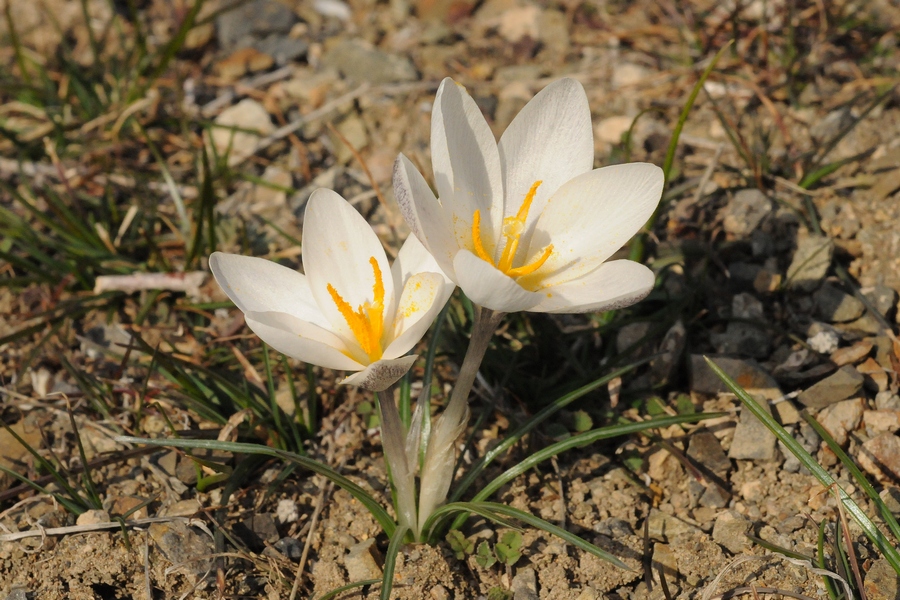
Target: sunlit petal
{"type": "Point", "coordinates": [337, 246]}
{"type": "Point", "coordinates": [257, 284]}
{"type": "Point", "coordinates": [551, 140]}
{"type": "Point", "coordinates": [591, 217]}
{"type": "Point", "coordinates": [414, 258]}
{"type": "Point", "coordinates": [423, 297]}
{"type": "Point", "coordinates": [612, 285]}
{"type": "Point", "coordinates": [488, 287]}
{"type": "Point", "coordinates": [298, 339]}
{"type": "Point", "coordinates": [465, 160]}
{"type": "Point", "coordinates": [424, 214]}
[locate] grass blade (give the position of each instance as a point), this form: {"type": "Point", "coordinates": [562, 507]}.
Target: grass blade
{"type": "Point", "coordinates": [872, 532]}
{"type": "Point", "coordinates": [501, 512]}
{"type": "Point", "coordinates": [372, 505]}
{"type": "Point", "coordinates": [581, 440]}
{"type": "Point", "coordinates": [637, 249]}
{"type": "Point", "coordinates": [861, 480]}
{"type": "Point", "coordinates": [350, 586]}
{"type": "Point", "coordinates": [390, 561]}
{"type": "Point", "coordinates": [516, 435]}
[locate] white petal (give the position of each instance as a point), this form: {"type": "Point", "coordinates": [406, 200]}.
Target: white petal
{"type": "Point", "coordinates": [408, 185]}
{"type": "Point", "coordinates": [466, 162]}
{"type": "Point", "coordinates": [591, 217]}
{"type": "Point", "coordinates": [423, 297]}
{"type": "Point", "coordinates": [550, 140]}
{"type": "Point", "coordinates": [488, 287]}
{"type": "Point", "coordinates": [337, 246]}
{"type": "Point", "coordinates": [414, 258]}
{"type": "Point", "coordinates": [424, 214]}
{"type": "Point", "coordinates": [381, 374]}
{"type": "Point", "coordinates": [613, 285]}
{"type": "Point", "coordinates": [257, 284]}
{"type": "Point", "coordinates": [298, 339]}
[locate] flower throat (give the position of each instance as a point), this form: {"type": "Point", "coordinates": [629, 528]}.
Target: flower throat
{"type": "Point", "coordinates": [367, 321]}
{"type": "Point", "coordinates": [513, 228]}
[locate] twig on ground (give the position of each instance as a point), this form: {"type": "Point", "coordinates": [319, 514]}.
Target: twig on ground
{"type": "Point", "coordinates": [188, 283]}
{"type": "Point", "coordinates": [42, 532]}
{"type": "Point", "coordinates": [241, 88]}
{"type": "Point", "coordinates": [708, 173]}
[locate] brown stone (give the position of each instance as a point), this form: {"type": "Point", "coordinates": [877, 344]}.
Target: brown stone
{"type": "Point", "coordinates": [880, 456]}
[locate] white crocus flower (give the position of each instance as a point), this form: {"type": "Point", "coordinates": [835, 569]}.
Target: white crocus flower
{"type": "Point", "coordinates": [351, 311]}
{"type": "Point", "coordinates": [527, 224]}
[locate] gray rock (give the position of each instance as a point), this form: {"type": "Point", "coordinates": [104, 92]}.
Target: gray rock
{"type": "Point", "coordinates": [887, 400]}
{"type": "Point", "coordinates": [613, 527]}
{"type": "Point", "coordinates": [808, 439]}
{"type": "Point", "coordinates": [810, 263]}
{"type": "Point", "coordinates": [290, 547]}
{"type": "Point", "coordinates": [256, 17]}
{"type": "Point", "coordinates": [745, 212]}
{"type": "Point", "coordinates": [183, 545]}
{"type": "Point", "coordinates": [709, 495]}
{"type": "Point", "coordinates": [705, 448]}
{"type": "Point", "coordinates": [746, 306]}
{"type": "Point", "coordinates": [746, 373]}
{"type": "Point", "coordinates": [836, 306]}
{"type": "Point", "coordinates": [282, 48]}
{"type": "Point", "coordinates": [730, 531]}
{"type": "Point", "coordinates": [524, 584]}
{"type": "Point", "coordinates": [670, 350]}
{"type": "Point", "coordinates": [880, 456]}
{"type": "Point", "coordinates": [882, 582]}
{"type": "Point", "coordinates": [832, 125]}
{"type": "Point", "coordinates": [662, 526]}
{"type": "Point", "coordinates": [360, 61]}
{"type": "Point", "coordinates": [635, 333]}
{"type": "Point", "coordinates": [743, 339]}
{"type": "Point", "coordinates": [17, 593]}
{"type": "Point", "coordinates": [882, 298]}
{"type": "Point", "coordinates": [752, 440]}
{"type": "Point", "coordinates": [360, 562]}
{"type": "Point", "coordinates": [844, 383]}
{"type": "Point", "coordinates": [862, 327]}
{"type": "Point", "coordinates": [841, 418]}
{"type": "Point", "coordinates": [257, 530]}
{"type": "Point", "coordinates": [890, 495]}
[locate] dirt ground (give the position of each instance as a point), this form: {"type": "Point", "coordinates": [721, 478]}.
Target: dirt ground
{"type": "Point", "coordinates": [777, 252]}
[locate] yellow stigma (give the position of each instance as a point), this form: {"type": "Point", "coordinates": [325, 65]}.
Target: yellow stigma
{"type": "Point", "coordinates": [367, 321]}
{"type": "Point", "coordinates": [513, 228]}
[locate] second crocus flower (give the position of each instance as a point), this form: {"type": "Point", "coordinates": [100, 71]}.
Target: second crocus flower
{"type": "Point", "coordinates": [351, 310]}
{"type": "Point", "coordinates": [526, 224]}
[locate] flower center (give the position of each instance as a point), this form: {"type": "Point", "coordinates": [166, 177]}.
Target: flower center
{"type": "Point", "coordinates": [367, 321]}
{"type": "Point", "coordinates": [513, 227]}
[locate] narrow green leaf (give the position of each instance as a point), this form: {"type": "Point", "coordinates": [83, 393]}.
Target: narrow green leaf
{"type": "Point", "coordinates": [390, 561]}
{"type": "Point", "coordinates": [509, 441]}
{"type": "Point", "coordinates": [872, 532]}
{"type": "Point", "coordinates": [500, 512]}
{"type": "Point", "coordinates": [350, 586]}
{"type": "Point", "coordinates": [861, 480]}
{"type": "Point", "coordinates": [377, 511]}
{"type": "Point", "coordinates": [581, 440]}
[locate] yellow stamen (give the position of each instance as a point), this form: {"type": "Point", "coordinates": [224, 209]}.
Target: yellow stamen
{"type": "Point", "coordinates": [513, 228]}
{"type": "Point", "coordinates": [476, 238]}
{"type": "Point", "coordinates": [532, 267]}
{"type": "Point", "coordinates": [367, 321]}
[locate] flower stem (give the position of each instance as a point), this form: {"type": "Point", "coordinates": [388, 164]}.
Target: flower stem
{"type": "Point", "coordinates": [394, 442]}
{"type": "Point", "coordinates": [437, 469]}
{"type": "Point", "coordinates": [483, 328]}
